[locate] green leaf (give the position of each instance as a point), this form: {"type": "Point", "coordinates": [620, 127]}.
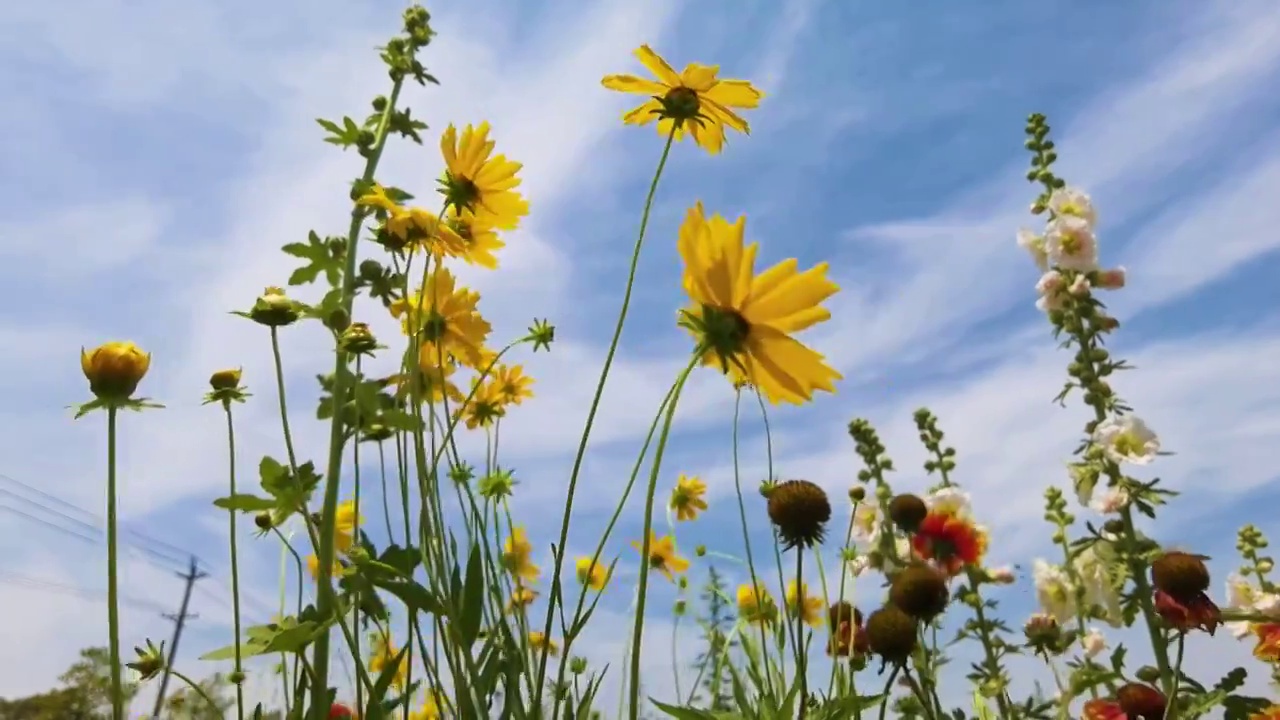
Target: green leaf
{"type": "Point", "coordinates": [415, 597]}
{"type": "Point", "coordinates": [245, 503]}
{"type": "Point", "coordinates": [320, 259]}
{"type": "Point", "coordinates": [342, 136]}
{"type": "Point", "coordinates": [684, 713]}
{"type": "Point", "coordinates": [472, 599]}
{"type": "Point", "coordinates": [374, 708]}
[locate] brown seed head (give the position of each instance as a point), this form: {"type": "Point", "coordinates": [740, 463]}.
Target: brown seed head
{"type": "Point", "coordinates": [891, 633]}
{"type": "Point", "coordinates": [907, 512]}
{"type": "Point", "coordinates": [920, 591]}
{"type": "Point", "coordinates": [1182, 575]}
{"type": "Point", "coordinates": [800, 510]}
{"type": "Point", "coordinates": [1141, 702]}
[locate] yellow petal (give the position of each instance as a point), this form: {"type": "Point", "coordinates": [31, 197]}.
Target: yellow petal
{"type": "Point", "coordinates": [633, 84]}
{"type": "Point", "coordinates": [656, 65]}
{"type": "Point", "coordinates": [788, 304]}
{"type": "Point", "coordinates": [734, 94]}
{"type": "Point", "coordinates": [699, 78]}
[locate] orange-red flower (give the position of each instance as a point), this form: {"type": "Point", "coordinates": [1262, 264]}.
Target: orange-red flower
{"type": "Point", "coordinates": [1101, 709]}
{"type": "Point", "coordinates": [1271, 712]}
{"type": "Point", "coordinates": [950, 541]}
{"type": "Point", "coordinates": [1268, 647]}
{"type": "Point", "coordinates": [1198, 612]}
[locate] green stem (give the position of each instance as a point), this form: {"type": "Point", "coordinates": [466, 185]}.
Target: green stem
{"type": "Point", "coordinates": [386, 506]}
{"type": "Point", "coordinates": [554, 597]}
{"type": "Point", "coordinates": [746, 536]}
{"type": "Point", "coordinates": [235, 565]}
{"type": "Point", "coordinates": [801, 666]}
{"type": "Point", "coordinates": [647, 532]}
{"type": "Point", "coordinates": [284, 405]}
{"type": "Point", "coordinates": [198, 690]}
{"type": "Point", "coordinates": [1169, 711]}
{"type": "Point", "coordinates": [113, 590]}
{"type": "Point", "coordinates": [341, 382]}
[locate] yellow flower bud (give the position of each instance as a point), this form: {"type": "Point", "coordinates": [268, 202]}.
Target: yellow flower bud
{"type": "Point", "coordinates": [226, 379]}
{"type": "Point", "coordinates": [114, 369]}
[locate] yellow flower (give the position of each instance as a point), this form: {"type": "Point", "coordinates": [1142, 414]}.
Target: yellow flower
{"type": "Point", "coordinates": [538, 641]}
{"type": "Point", "coordinates": [592, 575]}
{"type": "Point", "coordinates": [345, 524]}
{"type": "Point", "coordinates": [430, 709]}
{"type": "Point", "coordinates": [810, 608]}
{"type": "Point", "coordinates": [226, 379]}
{"type": "Point", "coordinates": [477, 181]}
{"type": "Point", "coordinates": [515, 556]}
{"type": "Point", "coordinates": [479, 239]}
{"type": "Point", "coordinates": [662, 555]}
{"type": "Point", "coordinates": [522, 597]}
{"type": "Point", "coordinates": [687, 499]}
{"type": "Point", "coordinates": [511, 384]}
{"type": "Point", "coordinates": [433, 378]}
{"type": "Point", "coordinates": [382, 654]}
{"type": "Point", "coordinates": [485, 406]}
{"type": "Point", "coordinates": [756, 605]}
{"type": "Point", "coordinates": [114, 369]}
{"type": "Point", "coordinates": [445, 315]}
{"type": "Point", "coordinates": [414, 224]}
{"type": "Point", "coordinates": [746, 320]}
{"type": "Point", "coordinates": [696, 99]}
{"type": "Point", "coordinates": [313, 566]}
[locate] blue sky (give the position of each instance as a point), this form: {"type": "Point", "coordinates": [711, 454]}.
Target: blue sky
{"type": "Point", "coordinates": [157, 155]}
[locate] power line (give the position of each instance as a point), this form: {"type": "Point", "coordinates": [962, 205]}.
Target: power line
{"type": "Point", "coordinates": [83, 593]}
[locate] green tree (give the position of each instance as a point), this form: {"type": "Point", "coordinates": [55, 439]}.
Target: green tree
{"type": "Point", "coordinates": [85, 694]}
{"type": "Point", "coordinates": [186, 704]}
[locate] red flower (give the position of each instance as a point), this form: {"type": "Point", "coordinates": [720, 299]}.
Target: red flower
{"type": "Point", "coordinates": [1198, 612]}
{"type": "Point", "coordinates": [1099, 709]}
{"type": "Point", "coordinates": [338, 711]}
{"type": "Point", "coordinates": [1268, 647]}
{"type": "Point", "coordinates": [949, 541]}
{"type": "Point", "coordinates": [848, 640]}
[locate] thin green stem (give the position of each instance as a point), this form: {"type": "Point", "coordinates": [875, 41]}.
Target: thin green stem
{"type": "Point", "coordinates": [325, 599]}
{"type": "Point", "coordinates": [647, 533]}
{"type": "Point", "coordinates": [284, 405]}
{"type": "Point", "coordinates": [801, 666]}
{"type": "Point", "coordinates": [1169, 709]}
{"type": "Point", "coordinates": [554, 597]}
{"type": "Point", "coordinates": [113, 589]}
{"type": "Point", "coordinates": [235, 564]}
{"type": "Point", "coordinates": [198, 690]}
{"type": "Point", "coordinates": [746, 534]}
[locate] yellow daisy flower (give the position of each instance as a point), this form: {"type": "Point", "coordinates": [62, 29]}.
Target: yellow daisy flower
{"type": "Point", "coordinates": [522, 597]}
{"type": "Point", "coordinates": [445, 314]}
{"type": "Point", "coordinates": [662, 555]}
{"type": "Point", "coordinates": [810, 608]}
{"type": "Point", "coordinates": [414, 224]}
{"type": "Point", "coordinates": [511, 384]}
{"type": "Point", "coordinates": [594, 575]}
{"type": "Point", "coordinates": [477, 181]}
{"type": "Point", "coordinates": [479, 239]}
{"type": "Point", "coordinates": [687, 498]}
{"type": "Point", "coordinates": [516, 554]}
{"type": "Point", "coordinates": [538, 641]}
{"type": "Point", "coordinates": [756, 605]}
{"type": "Point", "coordinates": [696, 99]}
{"type": "Point", "coordinates": [486, 406]}
{"type": "Point", "coordinates": [746, 320]}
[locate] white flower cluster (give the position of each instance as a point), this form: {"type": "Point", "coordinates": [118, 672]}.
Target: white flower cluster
{"type": "Point", "coordinates": [1058, 596]}
{"type": "Point", "coordinates": [1068, 243]}
{"type": "Point", "coordinates": [1244, 595]}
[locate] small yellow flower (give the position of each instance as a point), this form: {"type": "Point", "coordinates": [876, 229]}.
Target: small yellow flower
{"type": "Point", "coordinates": [810, 608]}
{"type": "Point", "coordinates": [662, 555]}
{"type": "Point", "coordinates": [756, 605]}
{"type": "Point", "coordinates": [382, 654]}
{"type": "Point", "coordinates": [345, 524]}
{"type": "Point", "coordinates": [516, 554]}
{"type": "Point", "coordinates": [522, 597]}
{"type": "Point", "coordinates": [480, 241]}
{"type": "Point", "coordinates": [485, 406]}
{"type": "Point", "coordinates": [313, 566]}
{"type": "Point", "coordinates": [538, 641]}
{"type": "Point", "coordinates": [746, 320]}
{"type": "Point", "coordinates": [226, 379]}
{"type": "Point", "coordinates": [477, 181]}
{"type": "Point", "coordinates": [593, 575]}
{"type": "Point", "coordinates": [430, 709]}
{"type": "Point", "coordinates": [696, 99]}
{"type": "Point", "coordinates": [687, 499]}
{"type": "Point", "coordinates": [414, 225]}
{"type": "Point", "coordinates": [512, 385]}
{"type": "Point", "coordinates": [114, 369]}
{"type": "Point", "coordinates": [445, 314]}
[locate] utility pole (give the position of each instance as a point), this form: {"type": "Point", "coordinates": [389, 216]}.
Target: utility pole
{"type": "Point", "coordinates": [192, 575]}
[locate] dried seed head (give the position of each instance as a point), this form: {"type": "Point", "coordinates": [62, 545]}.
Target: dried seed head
{"type": "Point", "coordinates": [1141, 702]}
{"type": "Point", "coordinates": [907, 512]}
{"type": "Point", "coordinates": [891, 633]}
{"type": "Point", "coordinates": [800, 510]}
{"type": "Point", "coordinates": [920, 591]}
{"type": "Point", "coordinates": [1182, 575]}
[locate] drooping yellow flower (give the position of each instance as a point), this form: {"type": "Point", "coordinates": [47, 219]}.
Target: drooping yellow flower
{"type": "Point", "coordinates": [345, 524]}
{"type": "Point", "coordinates": [746, 320]}
{"type": "Point", "coordinates": [445, 314]}
{"type": "Point", "coordinates": [695, 98]}
{"type": "Point", "coordinates": [800, 602]}
{"type": "Point", "coordinates": [477, 181]}
{"type": "Point", "coordinates": [511, 384]}
{"type": "Point", "coordinates": [522, 597]}
{"type": "Point", "coordinates": [662, 555]}
{"type": "Point", "coordinates": [688, 497]}
{"type": "Point", "coordinates": [516, 554]}
{"type": "Point", "coordinates": [114, 369]}
{"type": "Point", "coordinates": [593, 575]}
{"type": "Point", "coordinates": [538, 641]}
{"type": "Point", "coordinates": [480, 241]}
{"type": "Point", "coordinates": [485, 406]}
{"type": "Point", "coordinates": [313, 566]}
{"type": "Point", "coordinates": [756, 605]}
{"type": "Point", "coordinates": [414, 225]}
{"type": "Point", "coordinates": [382, 653]}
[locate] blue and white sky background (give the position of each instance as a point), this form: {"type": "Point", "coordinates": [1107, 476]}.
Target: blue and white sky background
{"type": "Point", "coordinates": [154, 156]}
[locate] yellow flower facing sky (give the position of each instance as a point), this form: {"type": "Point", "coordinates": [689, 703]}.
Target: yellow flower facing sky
{"type": "Point", "coordinates": [810, 608]}
{"type": "Point", "coordinates": [756, 605]}
{"type": "Point", "coordinates": [746, 320]}
{"type": "Point", "coordinates": [446, 316]}
{"type": "Point", "coordinates": [688, 498]}
{"type": "Point", "coordinates": [477, 181]}
{"type": "Point", "coordinates": [114, 369]}
{"type": "Point", "coordinates": [593, 576]}
{"type": "Point", "coordinates": [702, 103]}
{"type": "Point", "coordinates": [516, 554]}
{"type": "Point", "coordinates": [662, 555]}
